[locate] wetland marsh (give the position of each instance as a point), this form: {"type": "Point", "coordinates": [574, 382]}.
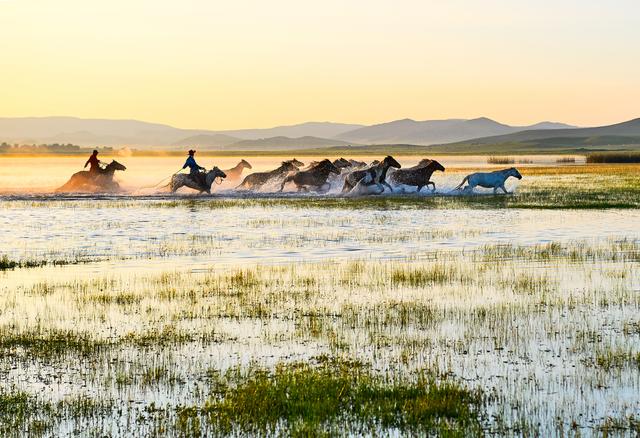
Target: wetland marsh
{"type": "Point", "coordinates": [155, 315]}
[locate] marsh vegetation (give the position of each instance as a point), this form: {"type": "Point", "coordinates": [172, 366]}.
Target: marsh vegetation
{"type": "Point", "coordinates": [311, 316]}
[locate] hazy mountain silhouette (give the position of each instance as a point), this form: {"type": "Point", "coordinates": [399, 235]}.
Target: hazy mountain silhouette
{"type": "Point", "coordinates": [283, 143]}
{"type": "Point", "coordinates": [214, 141]}
{"type": "Point", "coordinates": [407, 131]}
{"type": "Point", "coordinates": [310, 129]}
{"type": "Point", "coordinates": [618, 133]}
{"type": "Point", "coordinates": [105, 132]}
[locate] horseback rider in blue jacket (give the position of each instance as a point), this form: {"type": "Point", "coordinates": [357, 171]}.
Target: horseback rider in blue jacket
{"type": "Point", "coordinates": [194, 168]}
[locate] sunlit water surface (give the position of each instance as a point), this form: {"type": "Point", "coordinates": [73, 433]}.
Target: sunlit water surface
{"type": "Point", "coordinates": [533, 362]}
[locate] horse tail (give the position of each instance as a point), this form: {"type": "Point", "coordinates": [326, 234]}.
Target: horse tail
{"type": "Point", "coordinates": [466, 178]}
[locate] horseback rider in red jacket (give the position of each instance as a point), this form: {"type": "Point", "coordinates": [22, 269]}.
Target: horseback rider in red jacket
{"type": "Point", "coordinates": [94, 162]}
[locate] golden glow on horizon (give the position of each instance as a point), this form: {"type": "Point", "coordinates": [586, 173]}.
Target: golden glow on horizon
{"type": "Point", "coordinates": [226, 65]}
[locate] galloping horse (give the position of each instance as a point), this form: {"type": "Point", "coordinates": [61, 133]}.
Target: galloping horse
{"type": "Point", "coordinates": [101, 181]}
{"type": "Point", "coordinates": [315, 177]}
{"type": "Point", "coordinates": [235, 173]}
{"type": "Point", "coordinates": [182, 179]}
{"type": "Point", "coordinates": [418, 176]}
{"type": "Point", "coordinates": [489, 180]}
{"type": "Point", "coordinates": [258, 179]}
{"type": "Point", "coordinates": [375, 174]}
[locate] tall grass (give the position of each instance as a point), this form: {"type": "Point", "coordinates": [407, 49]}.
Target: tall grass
{"type": "Point", "coordinates": [508, 160]}
{"type": "Point", "coordinates": [501, 160]}
{"type": "Point", "coordinates": [614, 157]}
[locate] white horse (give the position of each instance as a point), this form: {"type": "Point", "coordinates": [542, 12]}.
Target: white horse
{"type": "Point", "coordinates": [489, 180]}
{"type": "Point", "coordinates": [182, 179]}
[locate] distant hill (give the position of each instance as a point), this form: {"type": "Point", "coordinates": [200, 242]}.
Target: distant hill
{"type": "Point", "coordinates": [285, 143]}
{"type": "Point", "coordinates": [407, 131]}
{"type": "Point", "coordinates": [143, 135]}
{"type": "Point", "coordinates": [309, 129]}
{"type": "Point", "coordinates": [212, 141]}
{"type": "Point", "coordinates": [618, 133]}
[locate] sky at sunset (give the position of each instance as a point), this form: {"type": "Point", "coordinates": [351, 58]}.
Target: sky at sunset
{"type": "Point", "coordinates": [237, 64]}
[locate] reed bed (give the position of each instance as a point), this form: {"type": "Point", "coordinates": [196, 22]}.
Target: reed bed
{"type": "Point", "coordinates": [613, 157]}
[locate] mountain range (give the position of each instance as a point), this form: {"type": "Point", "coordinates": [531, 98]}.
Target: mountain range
{"type": "Point", "coordinates": [449, 134]}
{"type": "Point", "coordinates": [618, 133]}
{"type": "Point", "coordinates": [145, 135]}
{"type": "Point", "coordinates": [407, 131]}
{"type": "Point", "coordinates": [134, 133]}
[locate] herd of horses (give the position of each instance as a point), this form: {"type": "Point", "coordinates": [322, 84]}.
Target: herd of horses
{"type": "Point", "coordinates": [350, 177]}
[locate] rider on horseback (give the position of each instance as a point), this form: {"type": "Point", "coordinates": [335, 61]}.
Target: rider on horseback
{"type": "Point", "coordinates": [94, 162]}
{"type": "Point", "coordinates": [194, 168]}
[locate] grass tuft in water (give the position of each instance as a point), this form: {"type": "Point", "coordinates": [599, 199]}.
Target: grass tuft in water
{"type": "Point", "coordinates": [338, 396]}
{"type": "Point", "coordinates": [6, 263]}
{"type": "Point", "coordinates": [49, 343]}
{"type": "Point", "coordinates": [617, 359]}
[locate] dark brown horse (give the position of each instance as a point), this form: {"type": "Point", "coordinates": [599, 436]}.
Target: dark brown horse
{"type": "Point", "coordinates": [101, 181]}
{"type": "Point", "coordinates": [376, 174]}
{"type": "Point", "coordinates": [418, 176]}
{"type": "Point", "coordinates": [258, 179]}
{"type": "Point", "coordinates": [315, 178]}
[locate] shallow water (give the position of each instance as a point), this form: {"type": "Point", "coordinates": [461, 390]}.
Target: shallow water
{"type": "Point", "coordinates": [239, 235]}
{"type": "Point", "coordinates": [524, 329]}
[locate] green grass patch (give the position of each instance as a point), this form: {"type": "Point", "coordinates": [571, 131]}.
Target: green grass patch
{"type": "Point", "coordinates": [22, 415]}
{"type": "Point", "coordinates": [617, 359]}
{"type": "Point", "coordinates": [49, 343]}
{"type": "Point", "coordinates": [336, 397]}
{"type": "Point", "coordinates": [7, 264]}
{"type": "Point", "coordinates": [437, 274]}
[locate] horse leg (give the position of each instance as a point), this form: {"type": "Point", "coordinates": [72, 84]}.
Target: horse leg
{"type": "Point", "coordinates": [386, 184]}
{"type": "Point", "coordinates": [504, 189]}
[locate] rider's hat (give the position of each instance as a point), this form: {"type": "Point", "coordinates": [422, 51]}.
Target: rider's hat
{"type": "Point", "coordinates": [191, 152]}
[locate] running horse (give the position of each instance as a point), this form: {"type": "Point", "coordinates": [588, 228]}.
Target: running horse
{"type": "Point", "coordinates": [256, 180]}
{"type": "Point", "coordinates": [374, 175]}
{"type": "Point", "coordinates": [93, 182]}
{"type": "Point", "coordinates": [418, 176]}
{"type": "Point", "coordinates": [235, 173]}
{"type": "Point", "coordinates": [201, 184]}
{"type": "Point", "coordinates": [316, 177]}
{"type": "Point", "coordinates": [489, 180]}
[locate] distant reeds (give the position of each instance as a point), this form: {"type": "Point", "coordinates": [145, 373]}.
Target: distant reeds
{"type": "Point", "coordinates": [501, 160]}
{"type": "Point", "coordinates": [567, 160]}
{"type": "Point", "coordinates": [508, 160]}
{"type": "Point", "coordinates": [614, 157]}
